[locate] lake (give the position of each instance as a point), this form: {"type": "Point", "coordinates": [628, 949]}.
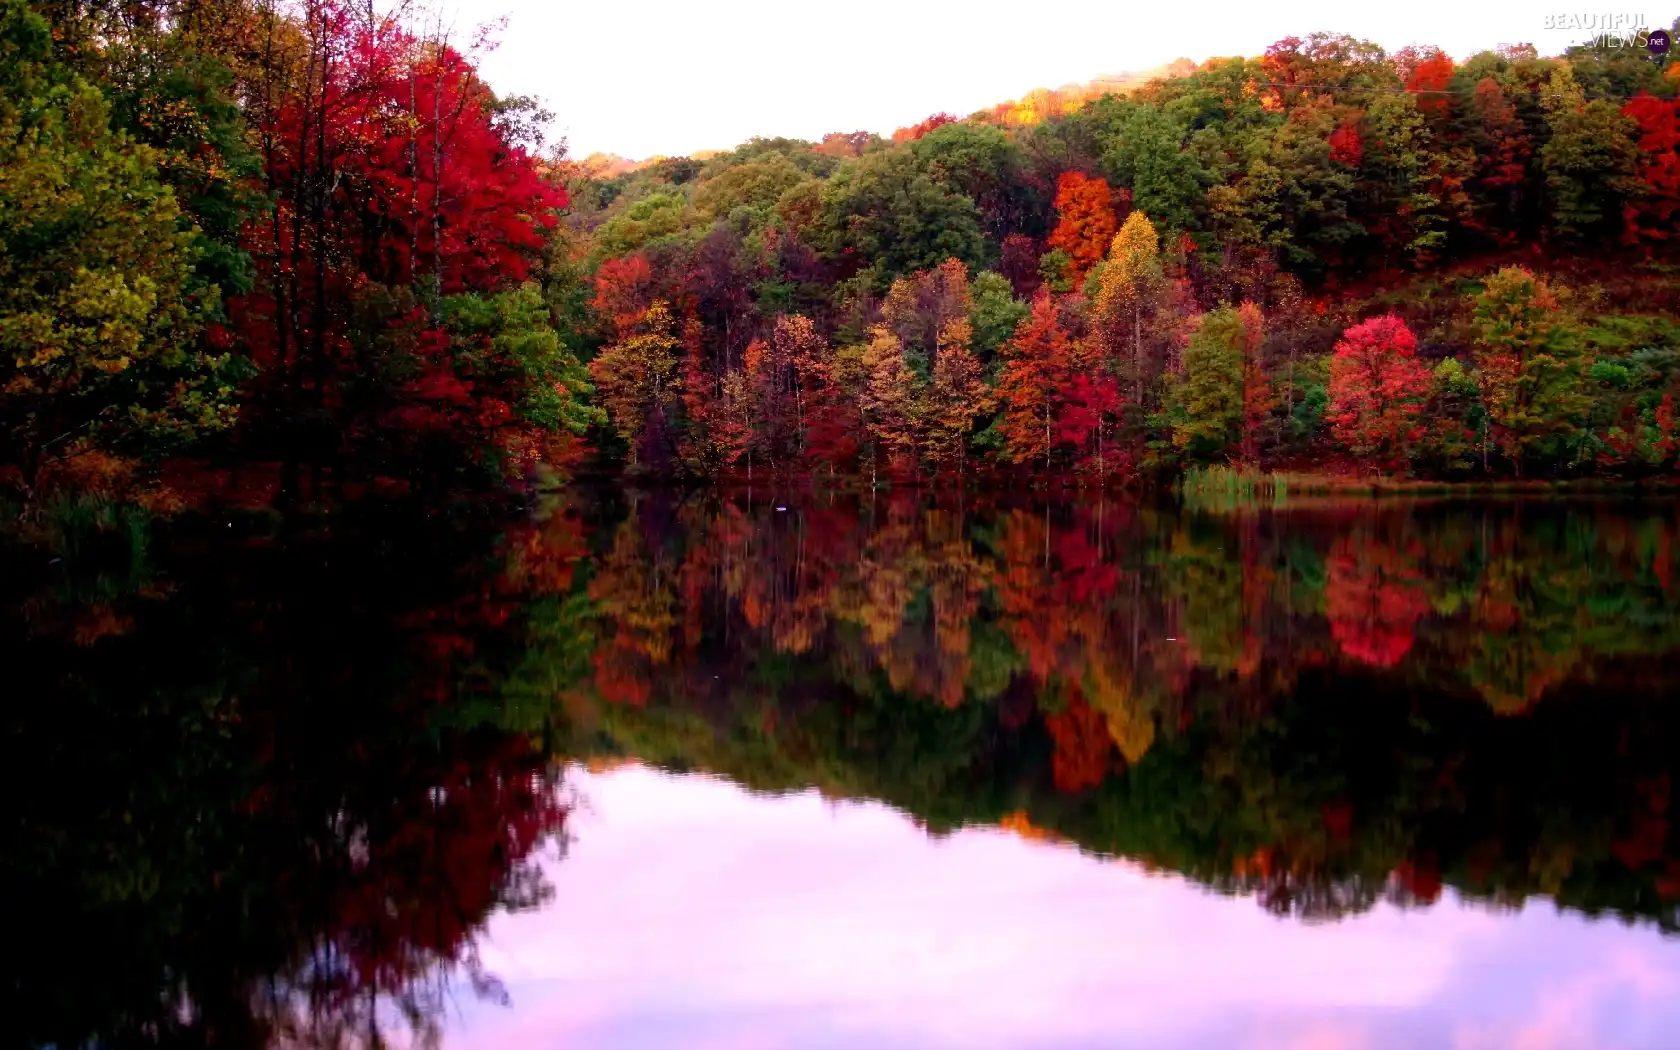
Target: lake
{"type": "Point", "coordinates": [651, 769]}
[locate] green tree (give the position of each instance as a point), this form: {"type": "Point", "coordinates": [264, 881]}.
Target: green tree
{"type": "Point", "coordinates": [988, 166]}
{"type": "Point", "coordinates": [1293, 196]}
{"type": "Point", "coordinates": [1399, 158]}
{"type": "Point", "coordinates": [994, 313]}
{"type": "Point", "coordinates": [1148, 154]}
{"type": "Point", "coordinates": [513, 349]}
{"type": "Point", "coordinates": [758, 184]}
{"type": "Point", "coordinates": [883, 210]}
{"type": "Point", "coordinates": [1208, 417]}
{"type": "Point", "coordinates": [1589, 160]}
{"type": "Point", "coordinates": [1530, 368]}
{"type": "Point", "coordinates": [98, 331]}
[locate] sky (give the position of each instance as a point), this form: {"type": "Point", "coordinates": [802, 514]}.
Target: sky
{"type": "Point", "coordinates": [689, 913]}
{"type": "Point", "coordinates": [672, 77]}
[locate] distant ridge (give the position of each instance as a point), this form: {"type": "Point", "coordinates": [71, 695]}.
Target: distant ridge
{"type": "Point", "coordinates": [1034, 107]}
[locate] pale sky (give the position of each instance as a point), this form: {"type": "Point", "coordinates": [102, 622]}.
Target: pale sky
{"type": "Point", "coordinates": [675, 76]}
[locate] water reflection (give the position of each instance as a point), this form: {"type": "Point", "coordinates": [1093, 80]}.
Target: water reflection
{"type": "Point", "coordinates": [270, 777]}
{"type": "Point", "coordinates": [805, 922]}
{"type": "Point", "coordinates": [254, 794]}
{"type": "Point", "coordinates": [1322, 707]}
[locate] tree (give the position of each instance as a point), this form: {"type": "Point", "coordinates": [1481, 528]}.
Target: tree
{"type": "Point", "coordinates": [995, 313]}
{"type": "Point", "coordinates": [1258, 398]}
{"type": "Point", "coordinates": [987, 165]}
{"type": "Point", "coordinates": [1029, 389]}
{"type": "Point", "coordinates": [1399, 166]}
{"type": "Point", "coordinates": [888, 399]}
{"type": "Point", "coordinates": [1503, 149]}
{"type": "Point", "coordinates": [98, 331]}
{"type": "Point", "coordinates": [1215, 397]}
{"type": "Point", "coordinates": [1377, 390]}
{"type": "Point", "coordinates": [1429, 81]}
{"type": "Point", "coordinates": [882, 210]}
{"type": "Point", "coordinates": [1148, 153]}
{"type": "Point", "coordinates": [919, 308]}
{"type": "Point", "coordinates": [958, 396]}
{"type": "Point", "coordinates": [1649, 216]}
{"type": "Point", "coordinates": [636, 378]}
{"type": "Point", "coordinates": [1588, 160]}
{"type": "Point", "coordinates": [1530, 367]}
{"type": "Point", "coordinates": [1126, 291]}
{"type": "Point", "coordinates": [1087, 221]}
{"type": "Point", "coordinates": [1293, 196]}
{"type": "Point", "coordinates": [525, 381]}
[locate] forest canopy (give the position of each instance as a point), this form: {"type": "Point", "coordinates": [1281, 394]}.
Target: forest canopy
{"type": "Point", "coordinates": [311, 234]}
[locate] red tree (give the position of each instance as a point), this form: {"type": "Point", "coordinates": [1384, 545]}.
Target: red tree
{"type": "Point", "coordinates": [1374, 599]}
{"type": "Point", "coordinates": [1649, 217]}
{"type": "Point", "coordinates": [1429, 81]}
{"type": "Point", "coordinates": [394, 182]}
{"type": "Point", "coordinates": [1377, 390]}
{"type": "Point", "coordinates": [1088, 222]}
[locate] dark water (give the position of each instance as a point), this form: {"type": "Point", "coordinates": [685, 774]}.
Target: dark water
{"type": "Point", "coordinates": [654, 771]}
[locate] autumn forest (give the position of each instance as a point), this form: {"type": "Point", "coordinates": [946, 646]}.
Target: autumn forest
{"type": "Point", "coordinates": [1262, 474]}
{"type": "Point", "coordinates": [311, 237]}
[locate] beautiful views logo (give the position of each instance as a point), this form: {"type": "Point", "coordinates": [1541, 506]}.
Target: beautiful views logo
{"type": "Point", "coordinates": [1612, 30]}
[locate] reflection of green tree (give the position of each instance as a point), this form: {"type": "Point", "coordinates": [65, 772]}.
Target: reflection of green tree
{"type": "Point", "coordinates": [1205, 572]}
{"type": "Point", "coordinates": [1304, 779]}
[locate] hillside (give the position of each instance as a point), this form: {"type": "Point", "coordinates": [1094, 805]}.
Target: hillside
{"type": "Point", "coordinates": [1388, 263]}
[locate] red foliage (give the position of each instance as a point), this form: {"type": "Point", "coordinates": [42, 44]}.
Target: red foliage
{"type": "Point", "coordinates": [386, 167]}
{"type": "Point", "coordinates": [1018, 261]}
{"type": "Point", "coordinates": [1421, 879]}
{"type": "Point", "coordinates": [1377, 390]}
{"type": "Point", "coordinates": [623, 292]}
{"type": "Point", "coordinates": [916, 131]}
{"type": "Point", "coordinates": [1346, 145]}
{"type": "Point", "coordinates": [1374, 599]}
{"type": "Point", "coordinates": [1088, 222]}
{"type": "Point", "coordinates": [1083, 746]}
{"type": "Point", "coordinates": [1430, 80]}
{"type": "Point", "coordinates": [1650, 216]}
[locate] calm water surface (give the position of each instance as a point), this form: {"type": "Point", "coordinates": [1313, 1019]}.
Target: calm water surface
{"type": "Point", "coordinates": [658, 771]}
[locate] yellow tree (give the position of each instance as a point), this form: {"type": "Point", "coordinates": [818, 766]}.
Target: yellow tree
{"type": "Point", "coordinates": [888, 398]}
{"type": "Point", "coordinates": [958, 396]}
{"type": "Point", "coordinates": [1127, 289]}
{"type": "Point", "coordinates": [636, 376]}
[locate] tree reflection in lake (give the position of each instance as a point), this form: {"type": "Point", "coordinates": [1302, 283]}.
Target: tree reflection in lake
{"type": "Point", "coordinates": [1320, 706]}
{"type": "Point", "coordinates": [255, 796]}
{"type": "Point", "coordinates": [269, 776]}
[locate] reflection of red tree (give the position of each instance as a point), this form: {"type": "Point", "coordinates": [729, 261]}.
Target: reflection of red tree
{"type": "Point", "coordinates": [430, 870]}
{"type": "Point", "coordinates": [1420, 880]}
{"type": "Point", "coordinates": [1373, 600]}
{"type": "Point", "coordinates": [1083, 743]}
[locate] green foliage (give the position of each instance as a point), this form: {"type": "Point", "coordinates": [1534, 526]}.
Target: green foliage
{"type": "Point", "coordinates": [987, 165]}
{"type": "Point", "coordinates": [1147, 151]}
{"type": "Point", "coordinates": [1588, 160]}
{"type": "Point", "coordinates": [513, 346]}
{"type": "Point", "coordinates": [757, 184]}
{"type": "Point", "coordinates": [1209, 401]}
{"type": "Point", "coordinates": [994, 313]}
{"type": "Point", "coordinates": [1530, 367]}
{"type": "Point", "coordinates": [883, 210]}
{"type": "Point", "coordinates": [99, 322]}
{"type": "Point", "coordinates": [651, 219]}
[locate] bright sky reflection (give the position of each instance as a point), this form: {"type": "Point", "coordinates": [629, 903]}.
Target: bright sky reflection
{"type": "Point", "coordinates": [692, 914]}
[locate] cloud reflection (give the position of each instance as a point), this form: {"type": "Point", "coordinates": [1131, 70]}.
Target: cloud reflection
{"type": "Point", "coordinates": [691, 913]}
